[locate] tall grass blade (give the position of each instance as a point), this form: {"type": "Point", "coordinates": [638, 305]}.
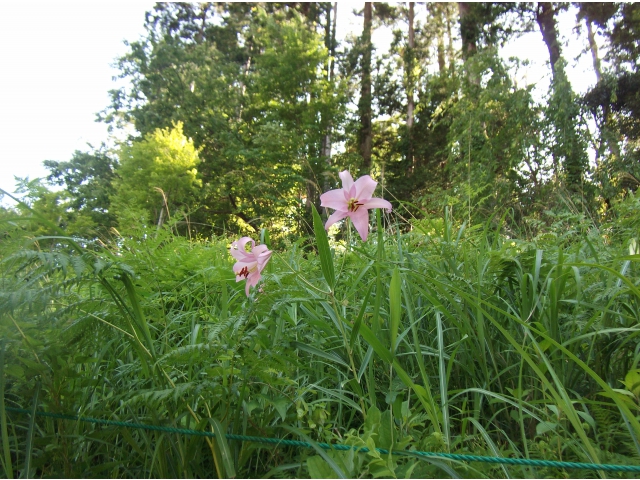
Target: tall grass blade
{"type": "Point", "coordinates": [138, 315]}
{"type": "Point", "coordinates": [331, 356]}
{"type": "Point", "coordinates": [365, 362]}
{"type": "Point", "coordinates": [490, 443]}
{"type": "Point", "coordinates": [223, 446]}
{"type": "Point", "coordinates": [444, 402]}
{"type": "Point", "coordinates": [32, 425]}
{"type": "Point", "coordinates": [395, 307]}
{"type": "Point", "coordinates": [326, 262]}
{"type": "Point", "coordinates": [6, 462]}
{"type": "Point", "coordinates": [432, 411]}
{"type": "Point", "coordinates": [356, 325]}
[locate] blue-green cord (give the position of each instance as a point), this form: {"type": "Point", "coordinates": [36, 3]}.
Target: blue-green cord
{"type": "Point", "coordinates": [337, 446]}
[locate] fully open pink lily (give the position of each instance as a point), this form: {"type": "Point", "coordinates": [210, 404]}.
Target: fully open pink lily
{"type": "Point", "coordinates": [250, 264]}
{"type": "Point", "coordinates": [353, 200]}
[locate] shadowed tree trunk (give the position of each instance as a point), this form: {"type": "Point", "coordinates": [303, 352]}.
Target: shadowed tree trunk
{"type": "Point", "coordinates": [410, 65]}
{"type": "Point", "coordinates": [364, 106]}
{"type": "Point", "coordinates": [330, 41]}
{"type": "Point", "coordinates": [468, 30]}
{"type": "Point", "coordinates": [410, 62]}
{"type": "Point", "coordinates": [568, 148]}
{"type": "Point", "coordinates": [441, 60]}
{"type": "Point", "coordinates": [547, 23]}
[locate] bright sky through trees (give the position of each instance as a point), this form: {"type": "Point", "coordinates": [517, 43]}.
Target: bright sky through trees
{"type": "Point", "coordinates": [57, 74]}
{"type": "Point", "coordinates": [56, 60]}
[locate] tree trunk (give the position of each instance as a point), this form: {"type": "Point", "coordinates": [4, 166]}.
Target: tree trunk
{"type": "Point", "coordinates": [330, 42]}
{"type": "Point", "coordinates": [468, 30]}
{"type": "Point", "coordinates": [332, 49]}
{"type": "Point", "coordinates": [594, 50]}
{"type": "Point", "coordinates": [366, 134]}
{"type": "Point", "coordinates": [441, 60]}
{"type": "Point", "coordinates": [410, 66]}
{"type": "Point", "coordinates": [547, 23]}
{"type": "Point", "coordinates": [450, 53]}
{"type": "Point", "coordinates": [568, 148]}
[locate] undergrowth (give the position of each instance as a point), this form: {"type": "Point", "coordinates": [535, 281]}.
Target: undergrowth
{"type": "Point", "coordinates": [446, 338]}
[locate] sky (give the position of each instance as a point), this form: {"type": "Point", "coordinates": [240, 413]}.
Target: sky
{"type": "Point", "coordinates": [56, 71]}
{"type": "Point", "coordinates": [55, 76]}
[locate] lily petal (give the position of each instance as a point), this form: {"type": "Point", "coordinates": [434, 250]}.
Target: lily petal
{"type": "Point", "coordinates": [253, 279]}
{"type": "Point", "coordinates": [335, 217]}
{"type": "Point", "coordinates": [238, 250]}
{"type": "Point", "coordinates": [238, 266]}
{"type": "Point", "coordinates": [364, 187]}
{"type": "Point", "coordinates": [334, 199]}
{"type": "Point", "coordinates": [376, 203]}
{"type": "Point", "coordinates": [360, 219]}
{"type": "Point", "coordinates": [263, 257]}
{"type": "Point", "coordinates": [347, 180]}
{"type": "Point", "coordinates": [259, 250]}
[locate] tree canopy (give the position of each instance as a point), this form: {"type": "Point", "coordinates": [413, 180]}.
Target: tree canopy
{"type": "Point", "coordinates": [275, 106]}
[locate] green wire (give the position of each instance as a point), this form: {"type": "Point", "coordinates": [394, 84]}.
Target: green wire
{"type": "Point", "coordinates": [337, 446]}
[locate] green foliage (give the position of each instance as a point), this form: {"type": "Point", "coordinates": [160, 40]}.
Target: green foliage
{"type": "Point", "coordinates": [568, 146]}
{"type": "Point", "coordinates": [251, 87]}
{"type": "Point", "coordinates": [156, 177]}
{"type": "Point", "coordinates": [88, 181]}
{"type": "Point", "coordinates": [508, 326]}
{"type": "Point", "coordinates": [448, 338]}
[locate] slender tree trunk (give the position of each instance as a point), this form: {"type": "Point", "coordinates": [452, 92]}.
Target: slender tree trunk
{"type": "Point", "coordinates": [330, 42]}
{"type": "Point", "coordinates": [410, 66]}
{"type": "Point", "coordinates": [441, 60]}
{"type": "Point", "coordinates": [332, 50]}
{"type": "Point", "coordinates": [243, 87]}
{"type": "Point", "coordinates": [366, 133]}
{"type": "Point", "coordinates": [450, 52]}
{"type": "Point", "coordinates": [606, 133]}
{"type": "Point", "coordinates": [547, 23]}
{"type": "Point", "coordinates": [594, 50]}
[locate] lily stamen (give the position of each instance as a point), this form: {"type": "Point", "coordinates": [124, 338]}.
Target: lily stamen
{"type": "Point", "coordinates": [353, 205]}
{"type": "Point", "coordinates": [243, 273]}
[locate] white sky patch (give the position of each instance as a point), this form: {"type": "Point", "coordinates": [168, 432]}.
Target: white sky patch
{"type": "Point", "coordinates": [55, 62]}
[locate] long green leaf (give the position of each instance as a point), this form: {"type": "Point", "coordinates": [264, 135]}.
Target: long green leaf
{"type": "Point", "coordinates": [395, 306]}
{"type": "Point", "coordinates": [444, 403]}
{"type": "Point", "coordinates": [356, 324]}
{"type": "Point", "coordinates": [326, 262]}
{"type": "Point", "coordinates": [138, 314]}
{"type": "Point", "coordinates": [487, 438]}
{"type": "Point", "coordinates": [331, 356]}
{"type": "Point", "coordinates": [32, 424]}
{"type": "Point", "coordinates": [223, 446]}
{"type": "Point", "coordinates": [8, 468]}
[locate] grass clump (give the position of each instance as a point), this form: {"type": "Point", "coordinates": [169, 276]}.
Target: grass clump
{"type": "Point", "coordinates": [447, 338]}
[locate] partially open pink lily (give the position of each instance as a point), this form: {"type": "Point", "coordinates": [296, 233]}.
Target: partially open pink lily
{"type": "Point", "coordinates": [250, 264]}
{"type": "Point", "coordinates": [353, 200]}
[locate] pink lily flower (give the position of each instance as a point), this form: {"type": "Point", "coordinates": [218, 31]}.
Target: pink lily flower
{"type": "Point", "coordinates": [250, 264]}
{"type": "Point", "coordinates": [353, 200]}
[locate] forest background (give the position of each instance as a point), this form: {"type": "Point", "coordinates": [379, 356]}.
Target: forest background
{"type": "Point", "coordinates": [507, 247]}
{"type": "Point", "coordinates": [433, 134]}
